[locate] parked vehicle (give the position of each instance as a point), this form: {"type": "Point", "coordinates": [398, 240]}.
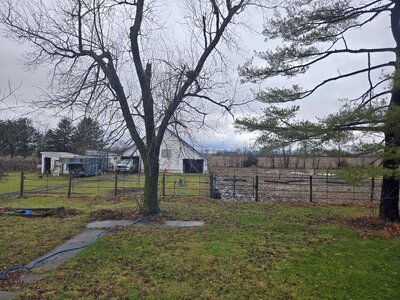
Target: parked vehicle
{"type": "Point", "coordinates": [128, 165]}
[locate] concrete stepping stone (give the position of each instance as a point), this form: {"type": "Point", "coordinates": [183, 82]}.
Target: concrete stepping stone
{"type": "Point", "coordinates": [110, 223]}
{"type": "Point", "coordinates": [93, 231]}
{"type": "Point", "coordinates": [85, 238]}
{"type": "Point", "coordinates": [7, 295]}
{"type": "Point", "coordinates": [184, 223]}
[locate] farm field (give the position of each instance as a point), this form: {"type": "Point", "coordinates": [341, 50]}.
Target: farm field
{"type": "Point", "coordinates": [265, 250]}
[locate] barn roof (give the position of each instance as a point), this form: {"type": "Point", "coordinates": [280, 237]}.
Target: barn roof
{"type": "Point", "coordinates": [58, 154]}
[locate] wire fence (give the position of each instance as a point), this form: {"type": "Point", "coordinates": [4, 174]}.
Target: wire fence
{"type": "Point", "coordinates": [262, 185]}
{"type": "Point", "coordinates": [227, 184]}
{"type": "Point", "coordinates": [112, 184]}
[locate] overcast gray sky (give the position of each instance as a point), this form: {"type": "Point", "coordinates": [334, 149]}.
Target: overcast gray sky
{"type": "Point", "coordinates": [225, 137]}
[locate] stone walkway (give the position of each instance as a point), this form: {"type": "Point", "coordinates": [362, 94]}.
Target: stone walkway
{"type": "Point", "coordinates": [93, 231]}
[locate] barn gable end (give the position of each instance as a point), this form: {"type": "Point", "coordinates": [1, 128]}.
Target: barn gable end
{"type": "Point", "coordinates": [176, 156]}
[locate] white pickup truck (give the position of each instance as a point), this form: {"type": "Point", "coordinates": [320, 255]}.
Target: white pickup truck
{"type": "Point", "coordinates": [127, 165]}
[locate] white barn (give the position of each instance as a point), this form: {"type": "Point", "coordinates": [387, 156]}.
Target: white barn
{"type": "Point", "coordinates": [176, 156]}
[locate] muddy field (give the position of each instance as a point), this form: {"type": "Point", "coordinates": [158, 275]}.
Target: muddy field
{"type": "Point", "coordinates": [240, 184]}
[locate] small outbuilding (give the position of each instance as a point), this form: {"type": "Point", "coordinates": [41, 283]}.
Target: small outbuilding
{"type": "Point", "coordinates": [176, 156]}
{"type": "Point", "coordinates": [64, 163]}
{"type": "Point", "coordinates": [53, 163]}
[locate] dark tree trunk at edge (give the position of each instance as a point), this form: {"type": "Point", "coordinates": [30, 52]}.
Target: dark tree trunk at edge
{"type": "Point", "coordinates": [389, 204]}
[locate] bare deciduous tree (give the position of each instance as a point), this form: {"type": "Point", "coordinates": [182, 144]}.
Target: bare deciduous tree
{"type": "Point", "coordinates": [103, 60]}
{"type": "Point", "coordinates": [6, 94]}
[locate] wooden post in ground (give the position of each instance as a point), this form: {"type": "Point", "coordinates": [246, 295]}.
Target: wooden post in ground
{"type": "Point", "coordinates": [69, 186]}
{"type": "Point", "coordinates": [256, 189]}
{"type": "Point", "coordinates": [116, 184]}
{"type": "Point", "coordinates": [211, 179]}
{"type": "Point", "coordinates": [163, 184]}
{"type": "Point", "coordinates": [234, 184]}
{"type": "Point", "coordinates": [21, 185]}
{"type": "Point", "coordinates": [47, 183]}
{"type": "Point", "coordinates": [311, 192]}
{"type": "Point", "coordinates": [372, 189]}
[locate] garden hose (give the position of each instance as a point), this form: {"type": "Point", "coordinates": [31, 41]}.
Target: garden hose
{"type": "Point", "coordinates": [3, 274]}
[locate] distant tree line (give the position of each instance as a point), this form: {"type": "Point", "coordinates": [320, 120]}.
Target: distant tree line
{"type": "Point", "coordinates": [87, 134]}
{"type": "Point", "coordinates": [20, 138]}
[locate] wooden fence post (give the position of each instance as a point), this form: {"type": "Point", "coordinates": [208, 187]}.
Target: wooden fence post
{"type": "Point", "coordinates": [163, 184]}
{"type": "Point", "coordinates": [199, 184]}
{"type": "Point", "coordinates": [234, 184]}
{"type": "Point", "coordinates": [116, 184]}
{"type": "Point", "coordinates": [98, 183]}
{"type": "Point", "coordinates": [311, 187]}
{"type": "Point", "coordinates": [47, 183]}
{"type": "Point", "coordinates": [211, 179]}
{"type": "Point", "coordinates": [372, 189]}
{"type": "Point", "coordinates": [21, 185]}
{"type": "Point", "coordinates": [256, 189]}
{"type": "Point", "coordinates": [69, 186]}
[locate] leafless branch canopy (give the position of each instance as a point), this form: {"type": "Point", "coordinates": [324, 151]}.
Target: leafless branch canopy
{"type": "Point", "coordinates": [102, 63]}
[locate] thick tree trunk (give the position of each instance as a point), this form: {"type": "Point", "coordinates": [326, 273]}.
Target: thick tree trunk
{"type": "Point", "coordinates": [151, 170]}
{"type": "Point", "coordinates": [389, 205]}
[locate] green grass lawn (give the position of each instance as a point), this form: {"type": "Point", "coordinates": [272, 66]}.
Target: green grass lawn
{"type": "Point", "coordinates": [175, 184]}
{"type": "Point", "coordinates": [268, 250]}
{"type": "Point", "coordinates": [10, 182]}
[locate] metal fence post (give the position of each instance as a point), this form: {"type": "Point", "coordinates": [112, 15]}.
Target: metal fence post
{"type": "Point", "coordinates": [163, 184]}
{"type": "Point", "coordinates": [256, 189]}
{"type": "Point", "coordinates": [311, 193]}
{"type": "Point", "coordinates": [21, 185]}
{"type": "Point", "coordinates": [254, 186]}
{"type": "Point", "coordinates": [327, 184]}
{"type": "Point", "coordinates": [234, 185]}
{"type": "Point", "coordinates": [69, 186]}
{"type": "Point", "coordinates": [211, 180]}
{"type": "Point", "coordinates": [47, 183]}
{"type": "Point", "coordinates": [372, 189]}
{"type": "Point", "coordinates": [199, 184]}
{"type": "Point", "coordinates": [116, 184]}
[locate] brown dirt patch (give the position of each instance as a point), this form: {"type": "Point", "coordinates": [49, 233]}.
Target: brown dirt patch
{"type": "Point", "coordinates": [120, 214]}
{"type": "Point", "coordinates": [127, 191]}
{"type": "Point", "coordinates": [12, 281]}
{"type": "Point", "coordinates": [371, 225]}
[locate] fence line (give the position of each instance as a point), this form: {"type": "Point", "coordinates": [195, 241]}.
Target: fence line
{"type": "Point", "coordinates": [291, 186]}
{"type": "Point", "coordinates": [260, 185]}
{"type": "Point", "coordinates": [114, 184]}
